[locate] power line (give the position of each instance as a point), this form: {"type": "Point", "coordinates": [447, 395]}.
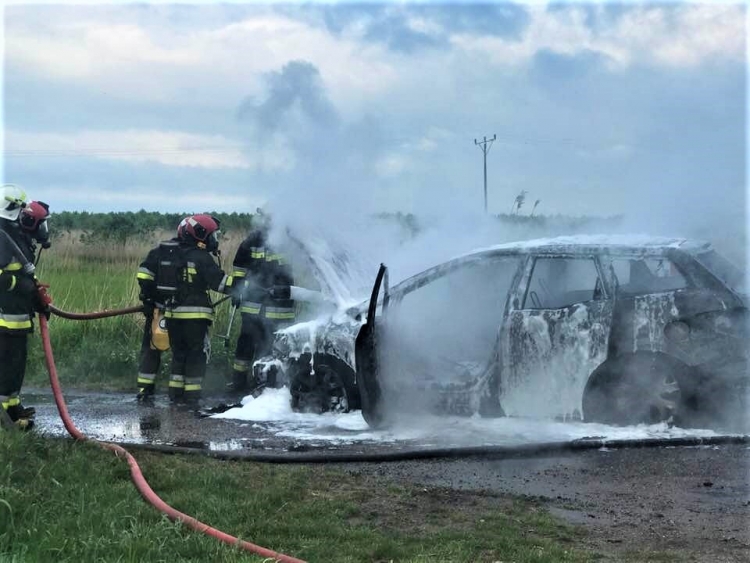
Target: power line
{"type": "Point", "coordinates": [485, 145]}
{"type": "Point", "coordinates": [117, 152]}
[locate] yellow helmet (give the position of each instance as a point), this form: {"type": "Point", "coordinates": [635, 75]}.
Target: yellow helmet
{"type": "Point", "coordinates": [12, 200]}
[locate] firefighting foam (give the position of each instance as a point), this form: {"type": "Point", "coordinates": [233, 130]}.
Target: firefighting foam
{"type": "Point", "coordinates": [273, 411]}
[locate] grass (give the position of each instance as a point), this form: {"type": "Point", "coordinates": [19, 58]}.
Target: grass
{"type": "Point", "coordinates": [65, 501]}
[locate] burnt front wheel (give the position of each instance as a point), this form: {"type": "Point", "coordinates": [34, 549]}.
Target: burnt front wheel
{"type": "Point", "coordinates": [329, 388]}
{"type": "Point", "coordinates": [639, 389]}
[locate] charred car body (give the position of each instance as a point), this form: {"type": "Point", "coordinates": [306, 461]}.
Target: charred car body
{"type": "Point", "coordinates": [619, 330]}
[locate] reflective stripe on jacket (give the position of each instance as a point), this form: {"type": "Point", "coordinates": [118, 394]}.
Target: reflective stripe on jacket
{"type": "Point", "coordinates": [197, 273]}
{"type": "Point", "coordinates": [16, 306]}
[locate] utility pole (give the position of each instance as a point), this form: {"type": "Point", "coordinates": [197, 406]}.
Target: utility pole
{"type": "Point", "coordinates": [485, 146]}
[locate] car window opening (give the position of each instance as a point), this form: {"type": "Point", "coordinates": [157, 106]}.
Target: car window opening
{"type": "Point", "coordinates": [557, 283]}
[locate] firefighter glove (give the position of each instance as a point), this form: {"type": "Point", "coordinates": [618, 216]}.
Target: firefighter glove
{"type": "Point", "coordinates": [25, 285]}
{"type": "Point", "coordinates": [42, 299]}
{"type": "Point", "coordinates": [236, 297]}
{"type": "Point", "coordinates": [280, 292]}
{"type": "Point", "coordinates": [148, 303]}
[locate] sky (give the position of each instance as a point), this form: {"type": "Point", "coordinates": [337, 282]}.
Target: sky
{"type": "Point", "coordinates": [598, 108]}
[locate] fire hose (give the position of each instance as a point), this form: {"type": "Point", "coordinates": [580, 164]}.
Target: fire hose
{"type": "Point", "coordinates": [135, 471]}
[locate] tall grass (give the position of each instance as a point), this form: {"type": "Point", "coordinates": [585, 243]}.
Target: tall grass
{"type": "Point", "coordinates": [103, 353]}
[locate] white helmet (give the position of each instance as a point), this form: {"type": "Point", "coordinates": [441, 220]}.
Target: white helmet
{"type": "Point", "coordinates": [12, 200]}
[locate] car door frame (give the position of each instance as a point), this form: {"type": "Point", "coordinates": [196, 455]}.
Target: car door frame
{"type": "Point", "coordinates": [509, 368]}
{"type": "Point", "coordinates": [366, 360]}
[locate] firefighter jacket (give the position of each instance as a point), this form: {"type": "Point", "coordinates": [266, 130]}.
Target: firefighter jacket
{"type": "Point", "coordinates": [17, 295]}
{"type": "Point", "coordinates": [262, 270]}
{"type": "Point", "coordinates": [176, 276]}
{"type": "Point", "coordinates": [278, 277]}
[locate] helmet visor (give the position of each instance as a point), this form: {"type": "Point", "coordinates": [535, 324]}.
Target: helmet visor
{"type": "Point", "coordinates": [42, 232]}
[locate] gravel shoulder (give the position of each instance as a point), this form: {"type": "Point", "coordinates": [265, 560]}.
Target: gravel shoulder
{"type": "Point", "coordinates": [650, 504]}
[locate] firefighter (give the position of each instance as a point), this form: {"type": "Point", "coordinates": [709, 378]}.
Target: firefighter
{"type": "Point", "coordinates": [155, 338]}
{"type": "Point", "coordinates": [263, 282]}
{"type": "Point", "coordinates": [177, 277]}
{"type": "Point", "coordinates": [22, 225]}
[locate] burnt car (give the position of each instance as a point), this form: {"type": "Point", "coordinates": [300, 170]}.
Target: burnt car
{"type": "Point", "coordinates": [618, 329]}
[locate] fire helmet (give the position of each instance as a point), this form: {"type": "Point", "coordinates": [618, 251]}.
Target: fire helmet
{"type": "Point", "coordinates": [33, 219]}
{"type": "Point", "coordinates": [12, 200]}
{"type": "Point", "coordinates": [201, 229]}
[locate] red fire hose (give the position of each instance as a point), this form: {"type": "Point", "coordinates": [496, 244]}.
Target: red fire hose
{"type": "Point", "coordinates": [98, 315]}
{"type": "Point", "coordinates": [135, 471]}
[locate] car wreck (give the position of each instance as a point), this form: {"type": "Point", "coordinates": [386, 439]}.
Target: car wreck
{"type": "Point", "coordinates": [611, 329]}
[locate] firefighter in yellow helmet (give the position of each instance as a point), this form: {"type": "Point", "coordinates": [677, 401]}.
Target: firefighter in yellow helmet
{"type": "Point", "coordinates": [22, 225]}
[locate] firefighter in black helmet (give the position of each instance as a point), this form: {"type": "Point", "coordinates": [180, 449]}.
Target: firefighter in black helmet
{"type": "Point", "coordinates": [22, 225]}
{"type": "Point", "coordinates": [263, 281]}
{"type": "Point", "coordinates": [177, 277]}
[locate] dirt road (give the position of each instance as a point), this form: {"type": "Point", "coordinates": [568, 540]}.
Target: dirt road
{"type": "Point", "coordinates": [680, 504]}
{"type": "Point", "coordinates": [677, 503]}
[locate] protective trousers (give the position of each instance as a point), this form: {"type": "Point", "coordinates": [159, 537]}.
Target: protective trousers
{"type": "Point", "coordinates": [253, 343]}
{"type": "Point", "coordinates": [188, 339]}
{"type": "Point", "coordinates": [149, 361]}
{"type": "Point", "coordinates": [13, 350]}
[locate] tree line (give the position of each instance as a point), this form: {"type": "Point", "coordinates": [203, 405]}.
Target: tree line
{"type": "Point", "coordinates": [119, 227]}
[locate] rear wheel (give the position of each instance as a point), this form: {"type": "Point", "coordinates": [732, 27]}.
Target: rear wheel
{"type": "Point", "coordinates": [638, 389]}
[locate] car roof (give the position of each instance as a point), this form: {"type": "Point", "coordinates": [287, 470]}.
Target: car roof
{"type": "Point", "coordinates": [587, 244]}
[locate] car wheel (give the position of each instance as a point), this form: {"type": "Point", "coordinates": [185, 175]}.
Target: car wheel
{"type": "Point", "coordinates": [330, 389]}
{"type": "Point", "coordinates": [640, 389]}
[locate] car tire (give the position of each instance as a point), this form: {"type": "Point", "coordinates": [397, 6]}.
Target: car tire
{"type": "Point", "coordinates": [330, 389]}
{"type": "Point", "coordinates": [635, 389]}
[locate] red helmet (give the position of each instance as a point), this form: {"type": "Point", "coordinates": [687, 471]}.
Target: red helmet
{"type": "Point", "coordinates": [33, 219]}
{"type": "Point", "coordinates": [202, 229]}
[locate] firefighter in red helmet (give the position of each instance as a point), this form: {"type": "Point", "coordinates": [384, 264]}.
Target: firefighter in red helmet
{"type": "Point", "coordinates": [22, 225]}
{"type": "Point", "coordinates": [175, 279]}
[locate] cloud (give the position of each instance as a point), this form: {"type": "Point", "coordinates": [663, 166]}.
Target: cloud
{"type": "Point", "coordinates": [168, 148]}
{"type": "Point", "coordinates": [410, 28]}
{"type": "Point", "coordinates": [141, 54]}
{"type": "Point", "coordinates": [598, 109]}
{"type": "Point", "coordinates": [677, 36]}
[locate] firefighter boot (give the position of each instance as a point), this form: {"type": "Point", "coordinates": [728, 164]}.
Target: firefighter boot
{"type": "Point", "coordinates": [19, 411]}
{"type": "Point", "coordinates": [176, 388]}
{"type": "Point", "coordinates": [145, 394]}
{"type": "Point", "coordinates": [238, 382]}
{"type": "Point", "coordinates": [240, 370]}
{"type": "Point", "coordinates": [192, 395]}
{"type": "Point", "coordinates": [5, 422]}
{"type": "Point", "coordinates": [21, 417]}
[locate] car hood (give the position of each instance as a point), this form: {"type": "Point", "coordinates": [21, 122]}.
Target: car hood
{"type": "Point", "coordinates": [344, 276]}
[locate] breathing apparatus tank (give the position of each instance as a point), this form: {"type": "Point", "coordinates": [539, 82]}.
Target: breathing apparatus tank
{"type": "Point", "coordinates": [169, 279]}
{"type": "Point", "coordinates": [170, 272]}
{"type": "Point", "coordinates": [159, 334]}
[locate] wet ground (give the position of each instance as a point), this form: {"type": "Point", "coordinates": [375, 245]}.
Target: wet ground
{"type": "Point", "coordinates": [267, 424]}
{"type": "Point", "coordinates": [692, 503]}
